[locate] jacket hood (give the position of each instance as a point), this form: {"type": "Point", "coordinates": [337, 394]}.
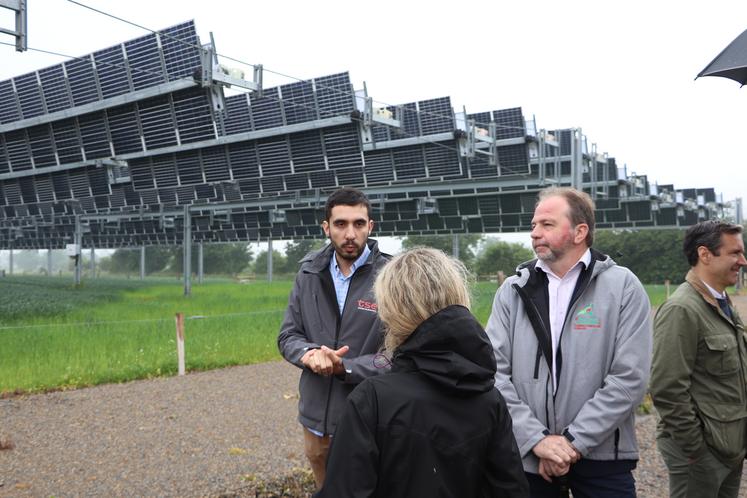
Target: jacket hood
{"type": "Point", "coordinates": [451, 349]}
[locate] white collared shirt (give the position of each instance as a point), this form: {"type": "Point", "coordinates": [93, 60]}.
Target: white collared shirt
{"type": "Point", "coordinates": [714, 292]}
{"type": "Point", "coordinates": [560, 291]}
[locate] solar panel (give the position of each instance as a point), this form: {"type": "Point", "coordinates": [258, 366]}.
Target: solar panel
{"type": "Point", "coordinates": [144, 61]}
{"type": "Point", "coordinates": [436, 116]}
{"type": "Point", "coordinates": [67, 142]}
{"type": "Point", "coordinates": [82, 81]}
{"type": "Point", "coordinates": [509, 123]}
{"type": "Point", "coordinates": [298, 102]}
{"type": "Point", "coordinates": [54, 88]}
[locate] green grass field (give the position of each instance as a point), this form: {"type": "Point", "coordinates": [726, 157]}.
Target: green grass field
{"type": "Point", "coordinates": [53, 335]}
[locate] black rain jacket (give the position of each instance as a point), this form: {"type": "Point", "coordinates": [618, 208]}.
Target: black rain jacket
{"type": "Point", "coordinates": [435, 426]}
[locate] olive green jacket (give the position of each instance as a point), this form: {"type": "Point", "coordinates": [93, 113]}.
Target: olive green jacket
{"type": "Point", "coordinates": [699, 374]}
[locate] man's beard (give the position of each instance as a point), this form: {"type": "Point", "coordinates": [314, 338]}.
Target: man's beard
{"type": "Point", "coordinates": [550, 256]}
{"type": "Point", "coordinates": [349, 256]}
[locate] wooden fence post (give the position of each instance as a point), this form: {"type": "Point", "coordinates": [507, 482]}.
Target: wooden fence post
{"type": "Point", "coordinates": [501, 278]}
{"type": "Point", "coordinates": [180, 341]}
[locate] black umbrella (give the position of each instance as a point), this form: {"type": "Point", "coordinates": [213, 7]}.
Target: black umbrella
{"type": "Point", "coordinates": [731, 62]}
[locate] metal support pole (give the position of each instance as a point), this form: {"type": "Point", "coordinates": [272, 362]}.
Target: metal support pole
{"type": "Point", "coordinates": [93, 262]}
{"type": "Point", "coordinates": [142, 262]}
{"type": "Point", "coordinates": [541, 156]}
{"type": "Point", "coordinates": [77, 257]}
{"type": "Point", "coordinates": [575, 165]}
{"type": "Point", "coordinates": [269, 259]}
{"type": "Point", "coordinates": [187, 266]}
{"type": "Point", "coordinates": [455, 246]}
{"type": "Point", "coordinates": [49, 262]}
{"type": "Point", "coordinates": [200, 266]}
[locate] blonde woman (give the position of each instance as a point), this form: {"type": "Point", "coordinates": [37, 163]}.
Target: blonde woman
{"type": "Point", "coordinates": [435, 425]}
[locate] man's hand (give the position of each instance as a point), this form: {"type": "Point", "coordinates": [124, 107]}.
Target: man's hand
{"type": "Point", "coordinates": [548, 469]}
{"type": "Point", "coordinates": [556, 455]}
{"type": "Point", "coordinates": [325, 361]}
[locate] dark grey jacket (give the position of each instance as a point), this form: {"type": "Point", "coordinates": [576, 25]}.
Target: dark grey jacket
{"type": "Point", "coordinates": [312, 320]}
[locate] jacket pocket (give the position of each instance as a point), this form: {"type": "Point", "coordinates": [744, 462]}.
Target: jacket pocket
{"type": "Point", "coordinates": [724, 430]}
{"type": "Point", "coordinates": [721, 355]}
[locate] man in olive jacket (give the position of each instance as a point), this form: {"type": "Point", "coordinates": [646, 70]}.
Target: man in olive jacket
{"type": "Point", "coordinates": [699, 371]}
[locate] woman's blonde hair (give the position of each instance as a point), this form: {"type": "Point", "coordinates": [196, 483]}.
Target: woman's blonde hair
{"type": "Point", "coordinates": [415, 285]}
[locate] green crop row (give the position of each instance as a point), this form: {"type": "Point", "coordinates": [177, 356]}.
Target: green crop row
{"type": "Point", "coordinates": [53, 335]}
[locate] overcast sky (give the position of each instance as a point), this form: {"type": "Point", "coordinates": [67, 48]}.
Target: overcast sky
{"type": "Point", "coordinates": [623, 72]}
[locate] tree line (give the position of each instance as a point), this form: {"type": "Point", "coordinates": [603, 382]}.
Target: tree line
{"type": "Point", "coordinates": [653, 255]}
{"type": "Point", "coordinates": [218, 259]}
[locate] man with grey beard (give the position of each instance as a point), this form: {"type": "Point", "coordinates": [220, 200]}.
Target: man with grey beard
{"type": "Point", "coordinates": [572, 339]}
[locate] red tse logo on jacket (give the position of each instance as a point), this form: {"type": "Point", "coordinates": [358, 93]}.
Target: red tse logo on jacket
{"type": "Point", "coordinates": [367, 306]}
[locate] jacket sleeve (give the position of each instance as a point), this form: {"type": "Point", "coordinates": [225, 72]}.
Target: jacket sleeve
{"type": "Point", "coordinates": [527, 428]}
{"type": "Point", "coordinates": [353, 463]}
{"type": "Point", "coordinates": [361, 367]}
{"type": "Point", "coordinates": [504, 474]}
{"type": "Point", "coordinates": [625, 383]}
{"type": "Point", "coordinates": [675, 350]}
{"type": "Point", "coordinates": [293, 341]}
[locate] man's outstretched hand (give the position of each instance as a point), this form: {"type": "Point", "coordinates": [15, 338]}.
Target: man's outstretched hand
{"type": "Point", "coordinates": [325, 361]}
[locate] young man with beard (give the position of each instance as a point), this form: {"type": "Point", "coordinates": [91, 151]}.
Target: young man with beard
{"type": "Point", "coordinates": [331, 329]}
{"type": "Point", "coordinates": [572, 339]}
{"type": "Point", "coordinates": [699, 373]}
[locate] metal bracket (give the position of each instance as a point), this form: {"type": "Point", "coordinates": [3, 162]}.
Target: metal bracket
{"type": "Point", "coordinates": [367, 116]}
{"type": "Point", "coordinates": [216, 76]}
{"type": "Point", "coordinates": [117, 171]}
{"type": "Point", "coordinates": [21, 31]}
{"type": "Point", "coordinates": [470, 138]}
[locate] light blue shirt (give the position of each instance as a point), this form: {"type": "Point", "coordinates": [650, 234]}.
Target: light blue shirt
{"type": "Point", "coordinates": [342, 283]}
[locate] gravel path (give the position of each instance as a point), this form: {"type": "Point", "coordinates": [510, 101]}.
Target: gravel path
{"type": "Point", "coordinates": [229, 432]}
{"type": "Point", "coordinates": [203, 434]}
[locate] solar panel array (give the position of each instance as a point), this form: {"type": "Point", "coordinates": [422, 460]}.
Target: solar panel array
{"type": "Point", "coordinates": [124, 139]}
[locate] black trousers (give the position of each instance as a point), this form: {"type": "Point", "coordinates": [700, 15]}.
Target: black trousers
{"type": "Point", "coordinates": [588, 479]}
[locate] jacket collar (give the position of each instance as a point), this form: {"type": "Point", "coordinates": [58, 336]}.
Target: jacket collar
{"type": "Point", "coordinates": [701, 288]}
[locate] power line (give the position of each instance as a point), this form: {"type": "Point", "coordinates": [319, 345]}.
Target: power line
{"type": "Point", "coordinates": [87, 59]}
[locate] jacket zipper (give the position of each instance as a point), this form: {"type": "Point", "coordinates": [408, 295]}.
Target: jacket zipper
{"type": "Point", "coordinates": [337, 340]}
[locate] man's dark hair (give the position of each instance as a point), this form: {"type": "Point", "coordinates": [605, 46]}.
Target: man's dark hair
{"type": "Point", "coordinates": [346, 196]}
{"type": "Point", "coordinates": [581, 207]}
{"type": "Point", "coordinates": [706, 234]}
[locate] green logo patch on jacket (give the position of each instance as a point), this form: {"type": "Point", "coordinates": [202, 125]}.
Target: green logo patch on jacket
{"type": "Point", "coordinates": [585, 319]}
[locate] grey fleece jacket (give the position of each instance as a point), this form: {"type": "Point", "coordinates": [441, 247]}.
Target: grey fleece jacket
{"type": "Point", "coordinates": [603, 360]}
{"type": "Point", "coordinates": [313, 319]}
